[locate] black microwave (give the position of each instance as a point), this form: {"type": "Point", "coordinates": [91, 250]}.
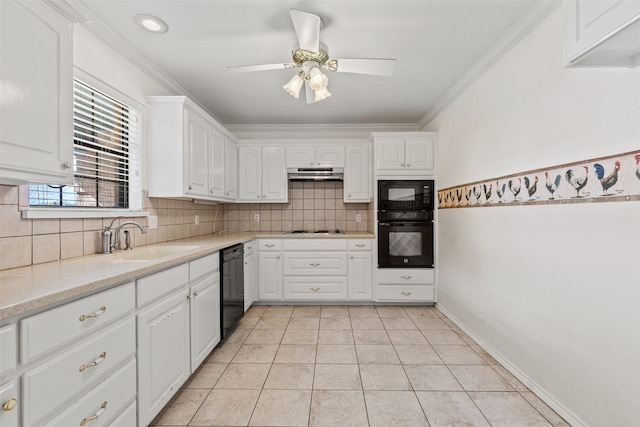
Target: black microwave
{"type": "Point", "coordinates": [405, 195]}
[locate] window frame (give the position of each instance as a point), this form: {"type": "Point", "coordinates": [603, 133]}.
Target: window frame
{"type": "Point", "coordinates": [135, 208]}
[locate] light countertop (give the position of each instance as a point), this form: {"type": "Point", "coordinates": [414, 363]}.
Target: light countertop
{"type": "Point", "coordinates": [35, 287]}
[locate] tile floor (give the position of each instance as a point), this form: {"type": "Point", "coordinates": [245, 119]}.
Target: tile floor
{"type": "Point", "coordinates": [352, 366]}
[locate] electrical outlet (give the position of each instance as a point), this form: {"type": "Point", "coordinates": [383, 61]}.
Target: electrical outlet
{"type": "Point", "coordinates": [256, 218]}
{"type": "Point", "coordinates": [152, 221]}
{"type": "Point", "coordinates": [482, 314]}
{"type": "Point", "coordinates": [197, 219]}
{"type": "Point", "coordinates": [358, 218]}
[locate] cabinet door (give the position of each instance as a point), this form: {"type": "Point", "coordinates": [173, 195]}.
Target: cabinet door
{"type": "Point", "coordinates": [270, 276]}
{"type": "Point", "coordinates": [197, 168]}
{"type": "Point", "coordinates": [217, 163]}
{"type": "Point", "coordinates": [360, 272]}
{"type": "Point", "coordinates": [163, 353]}
{"type": "Point", "coordinates": [300, 157]}
{"type": "Point", "coordinates": [356, 174]}
{"type": "Point", "coordinates": [274, 175]}
{"type": "Point", "coordinates": [36, 135]}
{"type": "Point", "coordinates": [330, 156]}
{"type": "Point", "coordinates": [10, 402]}
{"type": "Point", "coordinates": [250, 171]}
{"type": "Point", "coordinates": [249, 280]}
{"type": "Point", "coordinates": [231, 170]}
{"type": "Point", "coordinates": [390, 153]}
{"type": "Point", "coordinates": [205, 318]}
{"type": "Point", "coordinates": [419, 154]}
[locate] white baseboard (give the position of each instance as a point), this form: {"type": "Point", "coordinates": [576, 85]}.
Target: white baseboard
{"type": "Point", "coordinates": [543, 394]}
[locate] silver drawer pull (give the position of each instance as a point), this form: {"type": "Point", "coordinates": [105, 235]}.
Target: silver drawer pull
{"type": "Point", "coordinates": [95, 416]}
{"type": "Point", "coordinates": [99, 360]}
{"type": "Point", "coordinates": [91, 316]}
{"type": "Point", "coordinates": [314, 264]}
{"type": "Point", "coordinates": [269, 246]}
{"type": "Point", "coordinates": [315, 289]}
{"type": "Point", "coordinates": [405, 277]}
{"type": "Point", "coordinates": [406, 294]}
{"type": "Point", "coordinates": [361, 245]}
{"type": "Point", "coordinates": [278, 257]}
{"type": "Point", "coordinates": [9, 404]}
{"type": "Point", "coordinates": [351, 257]}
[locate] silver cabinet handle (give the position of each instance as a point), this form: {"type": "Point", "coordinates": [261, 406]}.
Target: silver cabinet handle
{"type": "Point", "coordinates": [66, 165]}
{"type": "Point", "coordinates": [227, 194]}
{"type": "Point", "coordinates": [103, 408]}
{"type": "Point", "coordinates": [405, 277]}
{"type": "Point", "coordinates": [258, 196]}
{"type": "Point", "coordinates": [349, 196]}
{"type": "Point", "coordinates": [191, 187]}
{"type": "Point", "coordinates": [314, 289]}
{"type": "Point", "coordinates": [93, 315]}
{"type": "Point", "coordinates": [406, 293]}
{"type": "Point", "coordinates": [361, 245]}
{"type": "Point", "coordinates": [100, 359]}
{"type": "Point", "coordinates": [351, 257]}
{"type": "Point", "coordinates": [408, 165]}
{"type": "Point", "coordinates": [314, 264]}
{"type": "Point", "coordinates": [402, 164]}
{"type": "Point", "coordinates": [278, 257]}
{"type": "Point", "coordinates": [269, 245]}
{"type": "Point", "coordinates": [9, 404]}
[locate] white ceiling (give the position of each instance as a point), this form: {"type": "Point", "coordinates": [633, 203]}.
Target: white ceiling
{"type": "Point", "coordinates": [436, 42]}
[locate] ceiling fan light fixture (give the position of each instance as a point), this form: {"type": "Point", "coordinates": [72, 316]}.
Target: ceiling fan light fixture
{"type": "Point", "coordinates": [294, 85]}
{"type": "Point", "coordinates": [317, 79]}
{"type": "Point", "coordinates": [322, 94]}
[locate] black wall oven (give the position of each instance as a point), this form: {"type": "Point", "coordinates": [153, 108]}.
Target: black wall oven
{"type": "Point", "coordinates": [405, 224]}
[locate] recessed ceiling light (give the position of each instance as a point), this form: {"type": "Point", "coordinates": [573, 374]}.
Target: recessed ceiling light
{"type": "Point", "coordinates": [151, 23]}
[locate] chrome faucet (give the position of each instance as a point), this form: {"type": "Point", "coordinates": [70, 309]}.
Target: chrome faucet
{"type": "Point", "coordinates": [106, 234]}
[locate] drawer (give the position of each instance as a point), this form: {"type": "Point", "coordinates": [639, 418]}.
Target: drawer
{"type": "Point", "coordinates": [315, 288]}
{"type": "Point", "coordinates": [158, 284]}
{"type": "Point", "coordinates": [360, 244]}
{"type": "Point", "coordinates": [10, 404]}
{"type": "Point", "coordinates": [315, 264]}
{"type": "Point", "coordinates": [406, 276]}
{"type": "Point", "coordinates": [270, 244]}
{"type": "Point", "coordinates": [417, 293]}
{"type": "Point", "coordinates": [249, 248]}
{"type": "Point", "coordinates": [50, 329]}
{"type": "Point", "coordinates": [104, 402]}
{"type": "Point", "coordinates": [8, 349]}
{"type": "Point", "coordinates": [53, 382]}
{"type": "Point", "coordinates": [335, 244]}
{"type": "Point", "coordinates": [204, 266]}
{"type": "Point", "coordinates": [127, 418]}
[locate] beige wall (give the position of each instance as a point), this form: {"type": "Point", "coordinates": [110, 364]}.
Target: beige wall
{"type": "Point", "coordinates": [312, 206]}
{"type": "Point", "coordinates": [32, 241]}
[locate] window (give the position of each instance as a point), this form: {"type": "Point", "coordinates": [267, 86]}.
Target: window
{"type": "Point", "coordinates": [105, 156]}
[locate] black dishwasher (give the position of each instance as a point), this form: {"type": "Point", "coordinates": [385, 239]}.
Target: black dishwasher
{"type": "Point", "coordinates": [231, 288]}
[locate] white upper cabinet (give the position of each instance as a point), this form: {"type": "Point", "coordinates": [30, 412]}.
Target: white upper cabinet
{"type": "Point", "coordinates": [357, 175]}
{"type": "Point", "coordinates": [189, 154]}
{"type": "Point", "coordinates": [602, 33]}
{"type": "Point", "coordinates": [263, 175]}
{"type": "Point", "coordinates": [36, 111]}
{"type": "Point", "coordinates": [315, 156]}
{"type": "Point", "coordinates": [404, 154]}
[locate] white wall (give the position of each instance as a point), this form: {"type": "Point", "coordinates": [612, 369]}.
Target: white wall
{"type": "Point", "coordinates": [560, 284]}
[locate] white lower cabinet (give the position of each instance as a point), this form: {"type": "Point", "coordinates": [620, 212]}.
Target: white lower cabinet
{"type": "Point", "coordinates": [270, 276]}
{"type": "Point", "coordinates": [315, 288]}
{"type": "Point", "coordinates": [10, 402]}
{"type": "Point", "coordinates": [360, 276]}
{"type": "Point", "coordinates": [250, 274]}
{"type": "Point", "coordinates": [205, 318]}
{"type": "Point", "coordinates": [127, 418]}
{"type": "Point", "coordinates": [103, 403]}
{"type": "Point", "coordinates": [53, 382]}
{"type": "Point", "coordinates": [406, 285]}
{"type": "Point", "coordinates": [163, 353]}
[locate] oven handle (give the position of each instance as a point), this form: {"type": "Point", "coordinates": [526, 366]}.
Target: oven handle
{"type": "Point", "coordinates": [405, 223]}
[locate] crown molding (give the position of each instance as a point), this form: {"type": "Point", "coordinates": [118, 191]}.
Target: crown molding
{"type": "Point", "coordinates": [536, 14]}
{"type": "Point", "coordinates": [294, 131]}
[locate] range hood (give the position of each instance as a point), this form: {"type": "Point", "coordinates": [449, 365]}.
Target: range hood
{"type": "Point", "coordinates": [315, 174]}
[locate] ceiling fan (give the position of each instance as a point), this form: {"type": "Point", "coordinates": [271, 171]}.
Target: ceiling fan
{"type": "Point", "coordinates": [311, 56]}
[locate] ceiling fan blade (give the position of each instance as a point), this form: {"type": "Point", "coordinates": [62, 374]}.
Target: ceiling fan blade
{"type": "Point", "coordinates": [373, 66]}
{"type": "Point", "coordinates": [307, 26]}
{"type": "Point", "coordinates": [310, 94]}
{"type": "Point", "coordinates": [260, 67]}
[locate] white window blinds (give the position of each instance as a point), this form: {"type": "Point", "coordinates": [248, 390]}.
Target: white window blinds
{"type": "Point", "coordinates": [106, 156]}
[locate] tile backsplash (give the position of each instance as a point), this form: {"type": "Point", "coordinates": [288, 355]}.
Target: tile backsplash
{"type": "Point", "coordinates": [312, 206]}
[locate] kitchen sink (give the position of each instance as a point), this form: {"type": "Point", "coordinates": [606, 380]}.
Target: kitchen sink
{"type": "Point", "coordinates": [149, 253]}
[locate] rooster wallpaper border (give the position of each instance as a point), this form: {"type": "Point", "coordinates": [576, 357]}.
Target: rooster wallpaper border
{"type": "Point", "coordinates": [613, 178]}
